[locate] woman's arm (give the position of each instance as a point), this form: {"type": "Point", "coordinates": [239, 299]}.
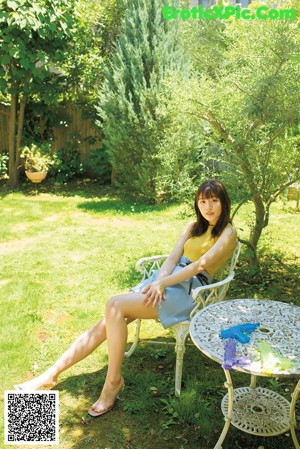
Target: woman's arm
{"type": "Point", "coordinates": [173, 258]}
{"type": "Point", "coordinates": [168, 266]}
{"type": "Point", "coordinates": [222, 249]}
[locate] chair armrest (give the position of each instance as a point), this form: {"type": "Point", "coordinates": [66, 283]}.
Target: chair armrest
{"type": "Point", "coordinates": [147, 265]}
{"type": "Point", "coordinates": [198, 290]}
{"type": "Point", "coordinates": [141, 262]}
{"type": "Point", "coordinates": [211, 293]}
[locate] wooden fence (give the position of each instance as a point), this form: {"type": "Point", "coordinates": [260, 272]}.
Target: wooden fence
{"type": "Point", "coordinates": [74, 128]}
{"type": "Point", "coordinates": [71, 124]}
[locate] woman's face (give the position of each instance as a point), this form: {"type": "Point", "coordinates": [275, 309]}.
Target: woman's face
{"type": "Point", "coordinates": [210, 208]}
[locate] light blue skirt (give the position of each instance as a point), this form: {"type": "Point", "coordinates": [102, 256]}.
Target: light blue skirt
{"type": "Point", "coordinates": [178, 302]}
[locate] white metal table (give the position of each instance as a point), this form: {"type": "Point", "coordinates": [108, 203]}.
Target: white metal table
{"type": "Point", "coordinates": [255, 410]}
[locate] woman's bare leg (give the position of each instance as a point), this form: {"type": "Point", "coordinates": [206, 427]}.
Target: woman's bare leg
{"type": "Point", "coordinates": [119, 309]}
{"type": "Point", "coordinates": [84, 345]}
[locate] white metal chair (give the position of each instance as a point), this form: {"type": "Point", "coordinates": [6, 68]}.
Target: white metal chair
{"type": "Point", "coordinates": [203, 296]}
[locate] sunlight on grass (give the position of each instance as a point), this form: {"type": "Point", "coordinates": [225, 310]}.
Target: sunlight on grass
{"type": "Point", "coordinates": [62, 258]}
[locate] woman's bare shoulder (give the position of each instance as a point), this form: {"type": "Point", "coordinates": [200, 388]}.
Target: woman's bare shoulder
{"type": "Point", "coordinates": [230, 232]}
{"type": "Point", "coordinates": [188, 227]}
{"type": "Point", "coordinates": [186, 232]}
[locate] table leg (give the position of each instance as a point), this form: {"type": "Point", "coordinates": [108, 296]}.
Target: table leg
{"type": "Point", "coordinates": [253, 381]}
{"type": "Point", "coordinates": [292, 415]}
{"type": "Point", "coordinates": [228, 384]}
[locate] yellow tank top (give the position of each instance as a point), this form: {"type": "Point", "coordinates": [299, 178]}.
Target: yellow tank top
{"type": "Point", "coordinates": [195, 247]}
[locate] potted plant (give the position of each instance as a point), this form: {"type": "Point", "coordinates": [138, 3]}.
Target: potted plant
{"type": "Point", "coordinates": [36, 162]}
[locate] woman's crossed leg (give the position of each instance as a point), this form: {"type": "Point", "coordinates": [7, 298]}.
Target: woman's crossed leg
{"type": "Point", "coordinates": [119, 312]}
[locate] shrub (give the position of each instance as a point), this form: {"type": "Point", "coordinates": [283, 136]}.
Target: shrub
{"type": "Point", "coordinates": [66, 160]}
{"type": "Point", "coordinates": [147, 52]}
{"type": "Point", "coordinates": [98, 163]}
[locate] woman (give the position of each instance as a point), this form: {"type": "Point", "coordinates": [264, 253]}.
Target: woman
{"type": "Point", "coordinates": [203, 248]}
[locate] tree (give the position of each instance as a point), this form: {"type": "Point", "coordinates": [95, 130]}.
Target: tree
{"type": "Point", "coordinates": [247, 105]}
{"type": "Point", "coordinates": [34, 37]}
{"type": "Point", "coordinates": [147, 53]}
{"type": "Point", "coordinates": [97, 31]}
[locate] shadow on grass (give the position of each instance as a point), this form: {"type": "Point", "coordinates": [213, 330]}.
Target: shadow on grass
{"type": "Point", "coordinates": [118, 206]}
{"type": "Point", "coordinates": [278, 279]}
{"type": "Point", "coordinates": [77, 187]}
{"type": "Point", "coordinates": [140, 419]}
{"type": "Point", "coordinates": [137, 420]}
{"type": "Point", "coordinates": [145, 417]}
{"type": "Point", "coordinates": [104, 199]}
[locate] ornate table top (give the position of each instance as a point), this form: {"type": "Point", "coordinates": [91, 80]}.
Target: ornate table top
{"type": "Point", "coordinates": [279, 328]}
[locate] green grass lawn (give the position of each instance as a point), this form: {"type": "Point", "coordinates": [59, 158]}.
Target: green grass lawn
{"type": "Point", "coordinates": [64, 252]}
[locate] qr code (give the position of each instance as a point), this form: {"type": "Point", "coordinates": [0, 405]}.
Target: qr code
{"type": "Point", "coordinates": [31, 417]}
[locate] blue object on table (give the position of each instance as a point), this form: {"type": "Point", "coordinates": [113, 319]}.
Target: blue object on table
{"type": "Point", "coordinates": [240, 332]}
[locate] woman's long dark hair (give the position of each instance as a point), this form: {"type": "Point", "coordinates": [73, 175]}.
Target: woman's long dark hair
{"type": "Point", "coordinates": [209, 189]}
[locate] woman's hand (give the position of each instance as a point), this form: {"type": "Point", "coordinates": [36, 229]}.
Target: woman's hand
{"type": "Point", "coordinates": [155, 294]}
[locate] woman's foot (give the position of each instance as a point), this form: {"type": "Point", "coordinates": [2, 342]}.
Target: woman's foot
{"type": "Point", "coordinates": [107, 398]}
{"type": "Point", "coordinates": [45, 380]}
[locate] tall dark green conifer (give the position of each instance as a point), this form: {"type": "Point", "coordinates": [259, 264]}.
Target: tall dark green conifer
{"type": "Point", "coordinates": [146, 54]}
